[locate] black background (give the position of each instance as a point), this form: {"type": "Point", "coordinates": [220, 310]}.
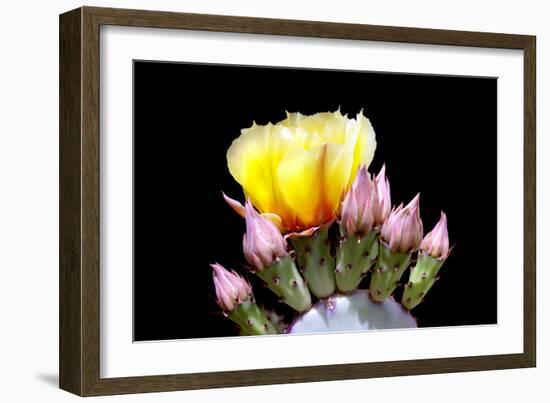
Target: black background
{"type": "Point", "coordinates": [436, 134]}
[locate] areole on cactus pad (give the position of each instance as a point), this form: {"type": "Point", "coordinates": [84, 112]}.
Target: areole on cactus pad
{"type": "Point", "coordinates": [321, 232]}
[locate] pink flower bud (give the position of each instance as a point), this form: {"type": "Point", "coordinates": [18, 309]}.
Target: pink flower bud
{"type": "Point", "coordinates": [359, 204]}
{"type": "Point", "coordinates": [231, 289]}
{"type": "Point", "coordinates": [403, 230]}
{"type": "Point", "coordinates": [263, 243]}
{"type": "Point", "coordinates": [436, 243]}
{"type": "Point", "coordinates": [383, 209]}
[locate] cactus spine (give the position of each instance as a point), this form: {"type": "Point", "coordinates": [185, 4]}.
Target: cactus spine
{"type": "Point", "coordinates": [251, 319]}
{"type": "Point", "coordinates": [387, 272]}
{"type": "Point", "coordinates": [316, 262]}
{"type": "Point", "coordinates": [355, 256]}
{"type": "Point", "coordinates": [283, 278]}
{"type": "Point", "coordinates": [422, 277]}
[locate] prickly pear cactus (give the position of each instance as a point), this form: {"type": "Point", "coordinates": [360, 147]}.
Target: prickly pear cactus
{"type": "Point", "coordinates": [387, 272]}
{"type": "Point", "coordinates": [356, 254]}
{"type": "Point", "coordinates": [352, 312]}
{"type": "Point", "coordinates": [251, 319]}
{"type": "Point", "coordinates": [283, 279]}
{"type": "Point", "coordinates": [316, 262]}
{"type": "Point", "coordinates": [323, 235]}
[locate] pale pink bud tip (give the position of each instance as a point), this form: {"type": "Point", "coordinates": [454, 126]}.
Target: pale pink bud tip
{"type": "Point", "coordinates": [436, 242]}
{"type": "Point", "coordinates": [359, 205]}
{"type": "Point", "coordinates": [382, 184]}
{"type": "Point", "coordinates": [403, 230]}
{"type": "Point", "coordinates": [234, 204]}
{"type": "Point", "coordinates": [263, 243]}
{"type": "Point", "coordinates": [231, 289]}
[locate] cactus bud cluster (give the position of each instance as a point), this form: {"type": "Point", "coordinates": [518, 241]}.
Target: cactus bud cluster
{"type": "Point", "coordinates": [403, 230]}
{"type": "Point", "coordinates": [360, 205]}
{"type": "Point", "coordinates": [436, 243]}
{"type": "Point", "coordinates": [323, 234]}
{"type": "Point", "coordinates": [367, 204]}
{"type": "Point", "coordinates": [262, 242]}
{"type": "Point", "coordinates": [434, 250]}
{"type": "Point", "coordinates": [231, 289]}
{"type": "Point", "coordinates": [374, 238]}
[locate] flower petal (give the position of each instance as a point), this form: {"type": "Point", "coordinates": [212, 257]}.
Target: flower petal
{"type": "Point", "coordinates": [246, 159]}
{"type": "Point", "coordinates": [336, 169]}
{"type": "Point", "coordinates": [275, 219]}
{"type": "Point", "coordinates": [365, 145]}
{"type": "Point", "coordinates": [300, 168]}
{"type": "Point", "coordinates": [312, 181]}
{"type": "Point", "coordinates": [298, 178]}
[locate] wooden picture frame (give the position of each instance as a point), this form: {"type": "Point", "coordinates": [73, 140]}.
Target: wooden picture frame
{"type": "Point", "coordinates": [79, 201]}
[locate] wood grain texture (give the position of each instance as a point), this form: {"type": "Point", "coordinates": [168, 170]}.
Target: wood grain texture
{"type": "Point", "coordinates": [70, 309]}
{"type": "Point", "coordinates": [90, 201]}
{"type": "Point", "coordinates": [529, 201]}
{"type": "Point", "coordinates": [80, 193]}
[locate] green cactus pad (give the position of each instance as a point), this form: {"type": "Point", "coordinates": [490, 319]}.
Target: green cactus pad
{"type": "Point", "coordinates": [423, 275]}
{"type": "Point", "coordinates": [251, 319]}
{"type": "Point", "coordinates": [316, 262]}
{"type": "Point", "coordinates": [277, 320]}
{"type": "Point", "coordinates": [355, 256]}
{"type": "Point", "coordinates": [286, 282]}
{"type": "Point", "coordinates": [387, 272]}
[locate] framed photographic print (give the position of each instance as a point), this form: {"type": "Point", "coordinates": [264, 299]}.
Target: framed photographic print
{"type": "Point", "coordinates": [249, 201]}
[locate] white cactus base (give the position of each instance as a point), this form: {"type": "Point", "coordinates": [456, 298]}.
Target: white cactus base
{"type": "Point", "coordinates": [354, 312]}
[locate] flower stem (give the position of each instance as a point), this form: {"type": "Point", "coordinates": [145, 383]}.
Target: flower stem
{"type": "Point", "coordinates": [283, 278]}
{"type": "Point", "coordinates": [251, 319]}
{"type": "Point", "coordinates": [422, 276]}
{"type": "Point", "coordinates": [355, 256]}
{"type": "Point", "coordinates": [316, 262]}
{"type": "Point", "coordinates": [387, 272]}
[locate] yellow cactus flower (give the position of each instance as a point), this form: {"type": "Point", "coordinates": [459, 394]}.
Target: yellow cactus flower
{"type": "Point", "coordinates": [297, 171]}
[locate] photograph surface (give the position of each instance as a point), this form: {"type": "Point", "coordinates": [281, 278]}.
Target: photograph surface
{"type": "Point", "coordinates": [273, 200]}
